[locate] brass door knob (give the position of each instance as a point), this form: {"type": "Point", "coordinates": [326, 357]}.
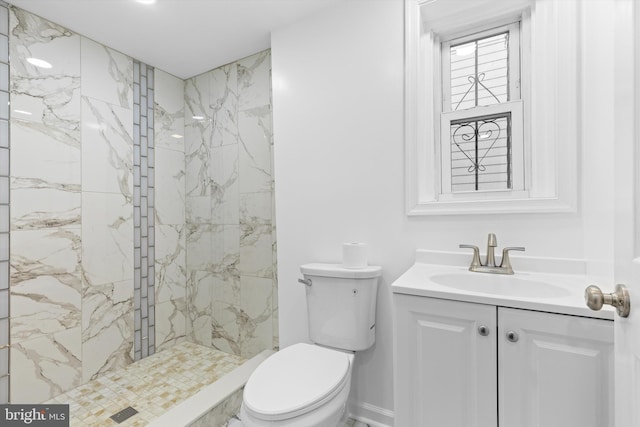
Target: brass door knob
{"type": "Point", "coordinates": [619, 299]}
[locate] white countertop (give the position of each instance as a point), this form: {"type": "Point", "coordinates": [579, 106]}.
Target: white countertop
{"type": "Point", "coordinates": [416, 281]}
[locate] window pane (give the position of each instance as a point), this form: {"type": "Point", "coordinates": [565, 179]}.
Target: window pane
{"type": "Point", "coordinates": [480, 72]}
{"type": "Point", "coordinates": [481, 153]}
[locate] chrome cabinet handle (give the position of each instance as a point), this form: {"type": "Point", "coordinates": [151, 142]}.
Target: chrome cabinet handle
{"type": "Point", "coordinates": [483, 330]}
{"type": "Point", "coordinates": [512, 336]}
{"type": "Point", "coordinates": [619, 299]}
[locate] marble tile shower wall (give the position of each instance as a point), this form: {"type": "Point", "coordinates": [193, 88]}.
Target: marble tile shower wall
{"type": "Point", "coordinates": [72, 209]}
{"type": "Point", "coordinates": [170, 230]}
{"type": "Point", "coordinates": [72, 251]}
{"type": "Point", "coordinates": [4, 203]}
{"type": "Point", "coordinates": [46, 197]}
{"type": "Point", "coordinates": [231, 293]}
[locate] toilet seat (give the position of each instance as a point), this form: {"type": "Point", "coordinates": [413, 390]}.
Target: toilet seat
{"type": "Point", "coordinates": [295, 381]}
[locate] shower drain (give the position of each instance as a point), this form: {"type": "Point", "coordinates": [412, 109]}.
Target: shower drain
{"type": "Point", "coordinates": [123, 415]}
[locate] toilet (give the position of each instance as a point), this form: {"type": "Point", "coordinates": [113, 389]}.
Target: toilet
{"type": "Point", "coordinates": [307, 385]}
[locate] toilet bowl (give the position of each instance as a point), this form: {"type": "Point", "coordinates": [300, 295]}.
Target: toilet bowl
{"type": "Point", "coordinates": [301, 385]}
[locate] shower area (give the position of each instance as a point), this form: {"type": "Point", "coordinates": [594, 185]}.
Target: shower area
{"type": "Point", "coordinates": [138, 207]}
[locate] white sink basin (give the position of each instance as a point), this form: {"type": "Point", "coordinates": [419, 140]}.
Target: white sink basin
{"type": "Point", "coordinates": [499, 285]}
{"type": "Point", "coordinates": [555, 286]}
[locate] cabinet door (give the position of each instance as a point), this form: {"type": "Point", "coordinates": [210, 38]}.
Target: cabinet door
{"type": "Point", "coordinates": [445, 372]}
{"type": "Point", "coordinates": [559, 372]}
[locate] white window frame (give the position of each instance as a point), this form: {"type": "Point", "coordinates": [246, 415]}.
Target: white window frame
{"type": "Point", "coordinates": [512, 106]}
{"type": "Point", "coordinates": [548, 88]}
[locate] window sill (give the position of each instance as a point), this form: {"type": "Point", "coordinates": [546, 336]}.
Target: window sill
{"type": "Point", "coordinates": [492, 206]}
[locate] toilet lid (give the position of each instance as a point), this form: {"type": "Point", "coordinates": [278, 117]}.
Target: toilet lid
{"type": "Point", "coordinates": [294, 381]}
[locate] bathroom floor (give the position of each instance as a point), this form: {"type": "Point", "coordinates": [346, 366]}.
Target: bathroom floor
{"type": "Point", "coordinates": [151, 385]}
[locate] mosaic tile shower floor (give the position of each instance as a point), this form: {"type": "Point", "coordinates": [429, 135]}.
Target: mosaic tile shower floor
{"type": "Point", "coordinates": [151, 385]}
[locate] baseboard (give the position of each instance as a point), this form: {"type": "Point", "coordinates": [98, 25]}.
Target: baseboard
{"type": "Point", "coordinates": [372, 415]}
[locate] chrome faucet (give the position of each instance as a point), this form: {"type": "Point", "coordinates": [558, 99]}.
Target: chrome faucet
{"type": "Point", "coordinates": [490, 261]}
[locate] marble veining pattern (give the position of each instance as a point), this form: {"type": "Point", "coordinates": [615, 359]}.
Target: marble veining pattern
{"type": "Point", "coordinates": [38, 204]}
{"type": "Point", "coordinates": [107, 328]}
{"type": "Point", "coordinates": [255, 149]}
{"type": "Point", "coordinates": [45, 366]}
{"type": "Point", "coordinates": [199, 295]}
{"type": "Point", "coordinates": [256, 251]}
{"type": "Point", "coordinates": [45, 282]}
{"type": "Point", "coordinates": [170, 262]}
{"type": "Point", "coordinates": [198, 124]}
{"type": "Point", "coordinates": [4, 211]}
{"type": "Point", "coordinates": [107, 209]}
{"type": "Point", "coordinates": [170, 323]}
{"type": "Point", "coordinates": [169, 112]}
{"type": "Point", "coordinates": [170, 187]}
{"type": "Point", "coordinates": [107, 75]}
{"type": "Point", "coordinates": [170, 199]}
{"type": "Point", "coordinates": [107, 148]}
{"type": "Point", "coordinates": [46, 274]}
{"type": "Point", "coordinates": [230, 237]}
{"type": "Point", "coordinates": [223, 104]}
{"type": "Point", "coordinates": [107, 236]}
{"type": "Point", "coordinates": [254, 81]}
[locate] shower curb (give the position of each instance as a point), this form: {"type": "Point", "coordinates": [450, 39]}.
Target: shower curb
{"type": "Point", "coordinates": [198, 405]}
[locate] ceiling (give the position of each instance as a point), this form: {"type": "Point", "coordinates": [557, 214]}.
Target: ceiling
{"type": "Point", "coordinates": [182, 37]}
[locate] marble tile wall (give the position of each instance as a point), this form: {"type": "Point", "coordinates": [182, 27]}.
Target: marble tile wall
{"type": "Point", "coordinates": [107, 209]}
{"type": "Point", "coordinates": [46, 279]}
{"type": "Point", "coordinates": [72, 222]}
{"type": "Point", "coordinates": [231, 290]}
{"type": "Point", "coordinates": [4, 204]}
{"type": "Point", "coordinates": [170, 230]}
{"type": "Point", "coordinates": [72, 225]}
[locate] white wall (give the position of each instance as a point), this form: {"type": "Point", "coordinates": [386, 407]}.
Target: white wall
{"type": "Point", "coordinates": [339, 173]}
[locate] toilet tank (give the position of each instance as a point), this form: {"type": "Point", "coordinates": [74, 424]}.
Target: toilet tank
{"type": "Point", "coordinates": [341, 305]}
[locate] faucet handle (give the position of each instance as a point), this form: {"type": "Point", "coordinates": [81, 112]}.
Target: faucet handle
{"type": "Point", "coordinates": [475, 262]}
{"type": "Point", "coordinates": [506, 261]}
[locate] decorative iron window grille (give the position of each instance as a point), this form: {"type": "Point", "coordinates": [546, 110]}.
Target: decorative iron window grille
{"type": "Point", "coordinates": [480, 72]}
{"type": "Point", "coordinates": [481, 153]}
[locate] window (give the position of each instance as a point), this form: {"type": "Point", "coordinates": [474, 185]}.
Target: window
{"type": "Point", "coordinates": [490, 113]}
{"type": "Point", "coordinates": [480, 78]}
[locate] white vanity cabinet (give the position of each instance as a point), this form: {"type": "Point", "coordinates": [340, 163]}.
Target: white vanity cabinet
{"type": "Point", "coordinates": [462, 364]}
